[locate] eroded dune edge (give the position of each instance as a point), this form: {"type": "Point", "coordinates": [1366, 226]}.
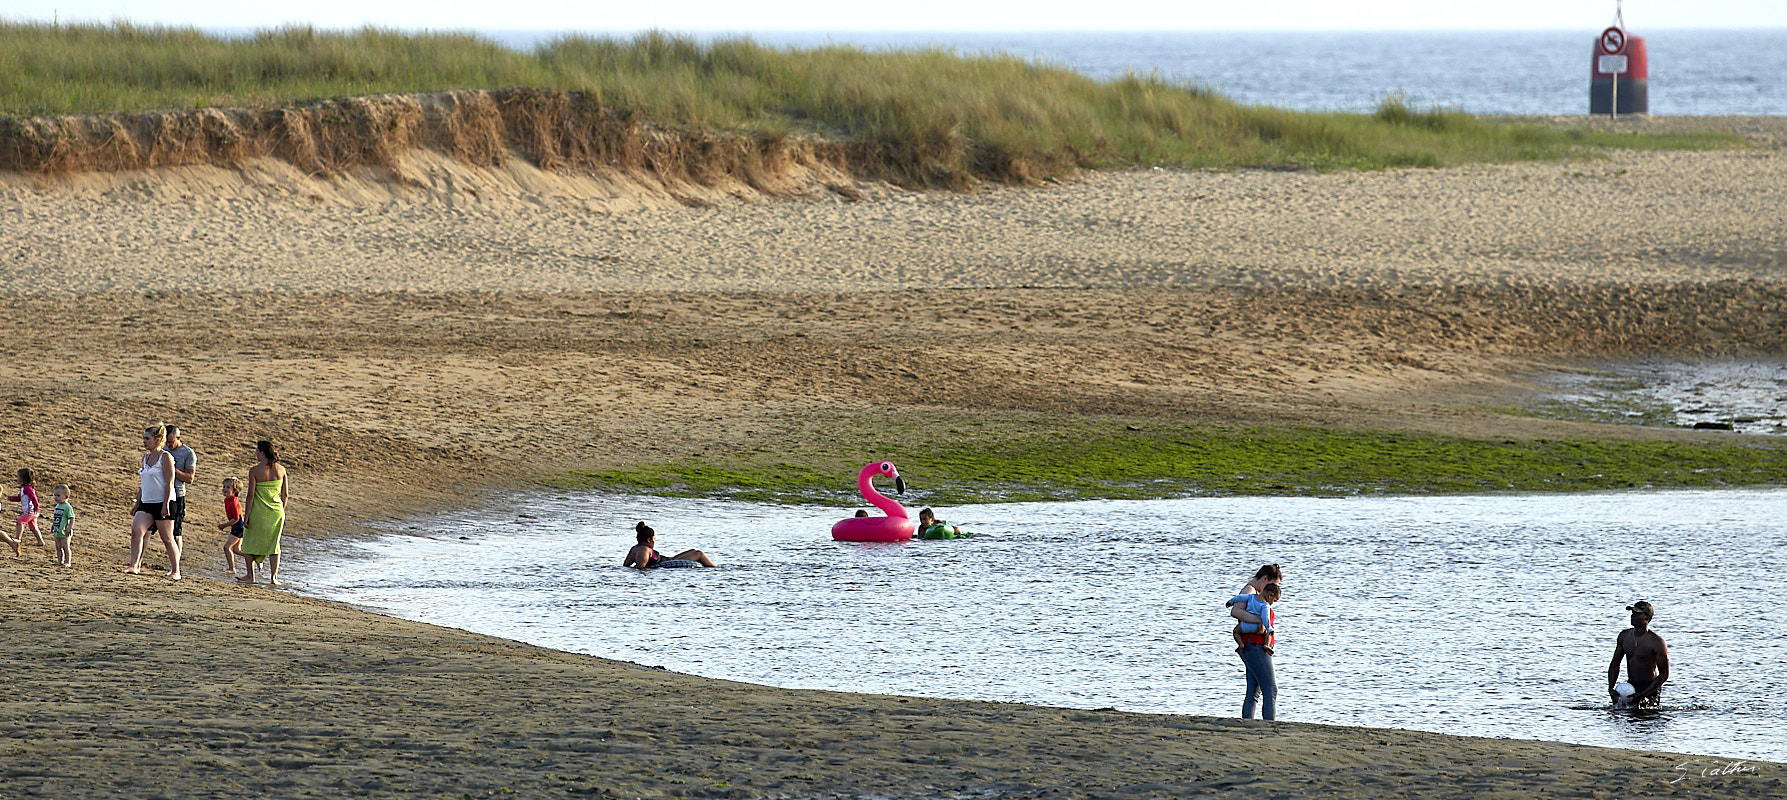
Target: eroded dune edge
{"type": "Point", "coordinates": [551, 131]}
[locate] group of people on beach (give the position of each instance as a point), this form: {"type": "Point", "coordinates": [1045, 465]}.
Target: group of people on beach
{"type": "Point", "coordinates": [165, 470]}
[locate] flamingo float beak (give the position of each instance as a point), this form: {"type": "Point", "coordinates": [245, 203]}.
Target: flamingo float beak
{"type": "Point", "coordinates": [899, 485]}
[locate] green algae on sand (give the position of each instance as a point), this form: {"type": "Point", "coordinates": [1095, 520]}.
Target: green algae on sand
{"type": "Point", "coordinates": [1144, 461]}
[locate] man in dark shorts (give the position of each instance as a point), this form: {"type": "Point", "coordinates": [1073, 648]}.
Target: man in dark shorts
{"type": "Point", "coordinates": [1646, 657]}
{"type": "Point", "coordinates": [184, 463]}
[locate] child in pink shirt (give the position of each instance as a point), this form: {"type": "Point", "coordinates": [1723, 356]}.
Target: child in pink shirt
{"type": "Point", "coordinates": [27, 500]}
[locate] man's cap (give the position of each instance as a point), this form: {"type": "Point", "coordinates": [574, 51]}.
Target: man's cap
{"type": "Point", "coordinates": [1642, 607]}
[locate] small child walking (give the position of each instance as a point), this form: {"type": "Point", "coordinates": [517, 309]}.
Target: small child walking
{"type": "Point", "coordinates": [27, 500]}
{"type": "Point", "coordinates": [232, 521]}
{"type": "Point", "coordinates": [62, 525]}
{"type": "Point", "coordinates": [10, 542]}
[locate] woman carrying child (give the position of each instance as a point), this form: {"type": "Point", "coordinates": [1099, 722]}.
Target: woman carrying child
{"type": "Point", "coordinates": [1256, 635]}
{"type": "Point", "coordinates": [1270, 573]}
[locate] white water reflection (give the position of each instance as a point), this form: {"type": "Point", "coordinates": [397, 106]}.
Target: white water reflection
{"type": "Point", "coordinates": [1488, 616]}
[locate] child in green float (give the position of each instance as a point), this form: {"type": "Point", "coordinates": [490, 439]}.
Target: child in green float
{"type": "Point", "coordinates": [930, 527]}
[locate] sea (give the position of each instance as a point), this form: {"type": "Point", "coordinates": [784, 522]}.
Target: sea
{"type": "Point", "coordinates": [1490, 615]}
{"type": "Point", "coordinates": [1692, 72]}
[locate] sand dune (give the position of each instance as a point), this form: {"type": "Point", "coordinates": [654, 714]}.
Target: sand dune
{"type": "Point", "coordinates": [1635, 217]}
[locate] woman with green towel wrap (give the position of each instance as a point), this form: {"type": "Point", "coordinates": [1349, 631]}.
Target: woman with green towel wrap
{"type": "Point", "coordinates": [265, 518]}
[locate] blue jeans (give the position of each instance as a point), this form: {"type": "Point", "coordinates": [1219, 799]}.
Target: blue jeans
{"type": "Point", "coordinates": [1261, 685]}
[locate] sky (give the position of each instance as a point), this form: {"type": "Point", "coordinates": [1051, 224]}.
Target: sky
{"type": "Point", "coordinates": [920, 15]}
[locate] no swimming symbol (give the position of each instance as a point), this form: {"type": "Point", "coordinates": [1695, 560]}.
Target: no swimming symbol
{"type": "Point", "coordinates": [1613, 40]}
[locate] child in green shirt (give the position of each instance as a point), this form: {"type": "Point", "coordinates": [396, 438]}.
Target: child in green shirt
{"type": "Point", "coordinates": [62, 529]}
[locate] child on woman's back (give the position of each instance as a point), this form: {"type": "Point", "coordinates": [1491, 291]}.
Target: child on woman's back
{"type": "Point", "coordinates": [62, 526]}
{"type": "Point", "coordinates": [27, 500]}
{"type": "Point", "coordinates": [232, 521]}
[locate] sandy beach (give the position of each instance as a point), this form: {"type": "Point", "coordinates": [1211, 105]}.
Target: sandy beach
{"type": "Point", "coordinates": [431, 339]}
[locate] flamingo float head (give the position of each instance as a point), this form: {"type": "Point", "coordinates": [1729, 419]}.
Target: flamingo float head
{"type": "Point", "coordinates": [886, 470]}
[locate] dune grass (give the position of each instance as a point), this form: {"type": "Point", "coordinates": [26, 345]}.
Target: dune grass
{"type": "Point", "coordinates": [947, 118]}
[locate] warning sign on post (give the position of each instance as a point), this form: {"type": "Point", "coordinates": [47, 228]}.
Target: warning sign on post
{"type": "Point", "coordinates": [1613, 41]}
{"type": "Point", "coordinates": [1611, 65]}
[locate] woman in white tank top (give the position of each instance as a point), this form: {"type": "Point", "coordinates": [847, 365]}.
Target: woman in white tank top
{"type": "Point", "coordinates": [154, 475]}
{"type": "Point", "coordinates": [154, 507]}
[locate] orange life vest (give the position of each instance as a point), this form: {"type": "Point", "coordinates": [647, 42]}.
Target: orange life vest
{"type": "Point", "coordinates": [1264, 639]}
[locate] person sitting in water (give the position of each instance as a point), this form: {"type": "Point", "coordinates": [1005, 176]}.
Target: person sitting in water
{"type": "Point", "coordinates": [930, 527]}
{"type": "Point", "coordinates": [644, 557]}
{"type": "Point", "coordinates": [1646, 657]}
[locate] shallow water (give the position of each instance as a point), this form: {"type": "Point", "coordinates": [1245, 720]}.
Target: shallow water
{"type": "Point", "coordinates": [1488, 616]}
{"type": "Point", "coordinates": [1747, 396]}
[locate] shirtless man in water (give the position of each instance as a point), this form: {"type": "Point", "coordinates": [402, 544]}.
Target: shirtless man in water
{"type": "Point", "coordinates": [1646, 657]}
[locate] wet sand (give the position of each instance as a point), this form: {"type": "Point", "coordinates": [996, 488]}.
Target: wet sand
{"type": "Point", "coordinates": [419, 348]}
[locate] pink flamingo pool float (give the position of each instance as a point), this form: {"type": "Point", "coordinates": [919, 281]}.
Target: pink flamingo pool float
{"type": "Point", "coordinates": [897, 526]}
